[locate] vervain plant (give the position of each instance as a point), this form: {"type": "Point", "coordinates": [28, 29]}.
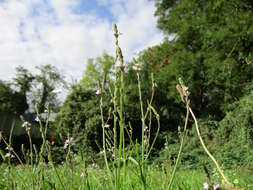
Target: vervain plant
{"type": "Point", "coordinates": [118, 148]}
{"type": "Point", "coordinates": [184, 94]}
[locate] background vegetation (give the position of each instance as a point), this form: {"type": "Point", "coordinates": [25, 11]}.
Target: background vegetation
{"type": "Point", "coordinates": [209, 44]}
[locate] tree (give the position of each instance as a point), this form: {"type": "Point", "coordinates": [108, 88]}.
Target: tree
{"type": "Point", "coordinates": [80, 115]}
{"type": "Point", "coordinates": [23, 80]}
{"type": "Point", "coordinates": [212, 49]}
{"type": "Point", "coordinates": [11, 101]}
{"type": "Point", "coordinates": [46, 82]}
{"type": "Point", "coordinates": [96, 70]}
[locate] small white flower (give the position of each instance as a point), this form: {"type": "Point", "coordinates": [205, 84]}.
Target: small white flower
{"type": "Point", "coordinates": [82, 174]}
{"type": "Point", "coordinates": [68, 142]}
{"type": "Point", "coordinates": [94, 165]}
{"type": "Point", "coordinates": [205, 186]}
{"type": "Point", "coordinates": [107, 126]}
{"type": "Point", "coordinates": [7, 155]}
{"type": "Point", "coordinates": [137, 67]}
{"type": "Point", "coordinates": [65, 145]}
{"type": "Point", "coordinates": [146, 128]}
{"type": "Point", "coordinates": [117, 64]}
{"type": "Point", "coordinates": [25, 124]}
{"type": "Point", "coordinates": [98, 92]}
{"type": "Point", "coordinates": [186, 90]}
{"type": "Point", "coordinates": [166, 146]}
{"type": "Point", "coordinates": [37, 118]}
{"type": "Point", "coordinates": [216, 186]}
{"type": "Point", "coordinates": [46, 108]}
{"type": "Point", "coordinates": [9, 148]}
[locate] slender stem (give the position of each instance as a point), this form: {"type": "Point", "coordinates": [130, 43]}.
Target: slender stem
{"type": "Point", "coordinates": [103, 126]}
{"type": "Point", "coordinates": [142, 120]}
{"type": "Point", "coordinates": [207, 151]}
{"type": "Point", "coordinates": [157, 132]}
{"type": "Point", "coordinates": [181, 146]}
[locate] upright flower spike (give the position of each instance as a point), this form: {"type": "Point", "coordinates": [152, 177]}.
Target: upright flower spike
{"type": "Point", "coordinates": [119, 55]}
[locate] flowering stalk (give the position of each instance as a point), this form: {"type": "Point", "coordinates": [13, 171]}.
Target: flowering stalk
{"type": "Point", "coordinates": [184, 93]}
{"type": "Point", "coordinates": [145, 138]}
{"type": "Point", "coordinates": [181, 145]}
{"type": "Point", "coordinates": [121, 153]}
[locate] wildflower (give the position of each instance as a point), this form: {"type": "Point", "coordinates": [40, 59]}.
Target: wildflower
{"type": "Point", "coordinates": [9, 148]}
{"type": "Point", "coordinates": [94, 165]}
{"type": "Point", "coordinates": [137, 67]}
{"type": "Point", "coordinates": [205, 186]}
{"type": "Point", "coordinates": [7, 155]}
{"type": "Point", "coordinates": [117, 64]}
{"type": "Point", "coordinates": [82, 174]}
{"type": "Point", "coordinates": [107, 126]}
{"type": "Point", "coordinates": [37, 118]}
{"type": "Point", "coordinates": [68, 142]}
{"type": "Point", "coordinates": [216, 186]}
{"type": "Point", "coordinates": [166, 146]}
{"type": "Point", "coordinates": [25, 124]}
{"type": "Point", "coordinates": [98, 92]}
{"type": "Point", "coordinates": [146, 128]}
{"type": "Point", "coordinates": [145, 140]}
{"type": "Point", "coordinates": [185, 90]}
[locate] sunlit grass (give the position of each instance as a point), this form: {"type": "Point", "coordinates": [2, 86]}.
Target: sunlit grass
{"type": "Point", "coordinates": [93, 177]}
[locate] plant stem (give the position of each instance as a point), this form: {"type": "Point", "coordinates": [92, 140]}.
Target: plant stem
{"type": "Point", "coordinates": [207, 151]}
{"type": "Point", "coordinates": [181, 146]}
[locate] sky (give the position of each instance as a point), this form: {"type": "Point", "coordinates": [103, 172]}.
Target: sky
{"type": "Point", "coordinates": [65, 33]}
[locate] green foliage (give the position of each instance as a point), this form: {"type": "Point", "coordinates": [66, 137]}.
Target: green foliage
{"type": "Point", "coordinates": [95, 70]}
{"type": "Point", "coordinates": [23, 79]}
{"type": "Point", "coordinates": [234, 137]}
{"type": "Point", "coordinates": [80, 114]}
{"type": "Point", "coordinates": [80, 117]}
{"type": "Point", "coordinates": [46, 82]}
{"type": "Point", "coordinates": [11, 101]}
{"type": "Point", "coordinates": [212, 48]}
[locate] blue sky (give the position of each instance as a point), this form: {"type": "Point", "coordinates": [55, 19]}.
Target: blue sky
{"type": "Point", "coordinates": [65, 33]}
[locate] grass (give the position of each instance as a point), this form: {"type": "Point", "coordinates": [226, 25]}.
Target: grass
{"type": "Point", "coordinates": [93, 177]}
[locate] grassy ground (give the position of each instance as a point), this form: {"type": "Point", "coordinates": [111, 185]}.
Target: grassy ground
{"type": "Point", "coordinates": [78, 176]}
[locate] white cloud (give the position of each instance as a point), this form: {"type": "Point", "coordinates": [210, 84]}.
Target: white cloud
{"type": "Point", "coordinates": [35, 33]}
